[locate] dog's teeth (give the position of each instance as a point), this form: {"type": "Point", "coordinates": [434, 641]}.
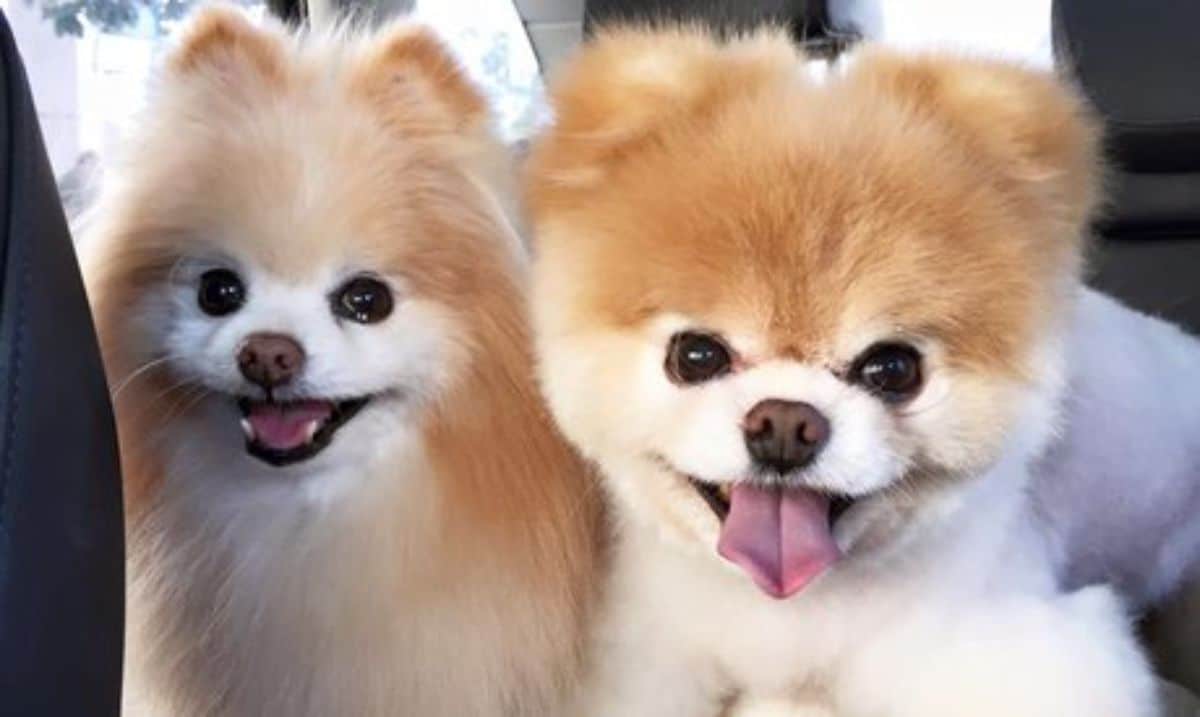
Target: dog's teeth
{"type": "Point", "coordinates": [248, 428]}
{"type": "Point", "coordinates": [311, 430]}
{"type": "Point", "coordinates": [725, 490]}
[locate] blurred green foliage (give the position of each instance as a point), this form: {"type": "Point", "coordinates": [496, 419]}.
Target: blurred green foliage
{"type": "Point", "coordinates": [115, 16]}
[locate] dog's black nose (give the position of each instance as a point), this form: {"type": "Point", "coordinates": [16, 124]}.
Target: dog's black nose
{"type": "Point", "coordinates": [270, 360]}
{"type": "Point", "coordinates": [784, 435]}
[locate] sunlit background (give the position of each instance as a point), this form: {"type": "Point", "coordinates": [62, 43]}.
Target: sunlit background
{"type": "Point", "coordinates": [89, 62]}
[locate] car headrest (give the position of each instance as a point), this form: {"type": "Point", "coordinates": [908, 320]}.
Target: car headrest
{"type": "Point", "coordinates": [62, 560]}
{"type": "Point", "coordinates": [1138, 62]}
{"type": "Point", "coordinates": [807, 20]}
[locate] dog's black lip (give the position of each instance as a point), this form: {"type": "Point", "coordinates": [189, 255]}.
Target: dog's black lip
{"type": "Point", "coordinates": [343, 411]}
{"type": "Point", "coordinates": [712, 496]}
{"type": "Point", "coordinates": [711, 493]}
{"type": "Point", "coordinates": [839, 503]}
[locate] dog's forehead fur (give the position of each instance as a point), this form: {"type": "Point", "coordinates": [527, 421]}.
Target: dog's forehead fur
{"type": "Point", "coordinates": [267, 195]}
{"type": "Point", "coordinates": [799, 211]}
{"type": "Point", "coordinates": [309, 152]}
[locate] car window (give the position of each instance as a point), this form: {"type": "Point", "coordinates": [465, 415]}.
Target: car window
{"type": "Point", "coordinates": [89, 64]}
{"type": "Point", "coordinates": [489, 37]}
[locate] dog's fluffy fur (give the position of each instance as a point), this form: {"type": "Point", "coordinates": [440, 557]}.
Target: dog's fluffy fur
{"type": "Point", "coordinates": [694, 184]}
{"type": "Point", "coordinates": [436, 558]}
{"type": "Point", "coordinates": [1118, 490]}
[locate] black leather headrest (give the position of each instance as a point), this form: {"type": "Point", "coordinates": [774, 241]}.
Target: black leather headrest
{"type": "Point", "coordinates": [807, 20]}
{"type": "Point", "coordinates": [727, 14]}
{"type": "Point", "coordinates": [1139, 62]}
{"type": "Point", "coordinates": [62, 561]}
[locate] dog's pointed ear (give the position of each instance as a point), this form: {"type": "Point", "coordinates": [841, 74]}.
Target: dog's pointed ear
{"type": "Point", "coordinates": [411, 77]}
{"type": "Point", "coordinates": [629, 83]}
{"type": "Point", "coordinates": [220, 41]}
{"type": "Point", "coordinates": [1034, 128]}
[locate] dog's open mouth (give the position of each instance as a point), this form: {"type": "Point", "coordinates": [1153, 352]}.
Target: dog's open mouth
{"type": "Point", "coordinates": [781, 536]}
{"type": "Point", "coordinates": [717, 497]}
{"type": "Point", "coordinates": [285, 432]}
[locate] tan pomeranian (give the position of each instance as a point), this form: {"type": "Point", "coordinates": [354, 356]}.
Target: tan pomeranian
{"type": "Point", "coordinates": [344, 496]}
{"type": "Point", "coordinates": [809, 328]}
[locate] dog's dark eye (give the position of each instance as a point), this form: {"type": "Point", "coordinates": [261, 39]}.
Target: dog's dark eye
{"type": "Point", "coordinates": [694, 358]}
{"type": "Point", "coordinates": [221, 292]}
{"type": "Point", "coordinates": [891, 370]}
{"type": "Point", "coordinates": [363, 299]}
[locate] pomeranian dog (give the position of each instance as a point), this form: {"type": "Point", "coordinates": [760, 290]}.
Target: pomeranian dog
{"type": "Point", "coordinates": [809, 328]}
{"type": "Point", "coordinates": [344, 494]}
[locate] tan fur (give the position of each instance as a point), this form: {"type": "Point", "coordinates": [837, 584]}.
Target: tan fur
{"type": "Point", "coordinates": [223, 42]}
{"type": "Point", "coordinates": [721, 165]}
{"type": "Point", "coordinates": [412, 61]}
{"type": "Point", "coordinates": [296, 152]}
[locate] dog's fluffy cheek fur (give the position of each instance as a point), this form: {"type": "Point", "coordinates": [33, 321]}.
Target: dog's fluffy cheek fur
{"type": "Point", "coordinates": [588, 379]}
{"type": "Point", "coordinates": [964, 420]}
{"type": "Point", "coordinates": [588, 372]}
{"type": "Point", "coordinates": [961, 420]}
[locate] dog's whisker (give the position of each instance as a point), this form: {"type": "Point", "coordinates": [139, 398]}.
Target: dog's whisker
{"type": "Point", "coordinates": [192, 394]}
{"type": "Point", "coordinates": [140, 371]}
{"type": "Point", "coordinates": [155, 401]}
{"type": "Point", "coordinates": [186, 403]}
{"type": "Point", "coordinates": [188, 398]}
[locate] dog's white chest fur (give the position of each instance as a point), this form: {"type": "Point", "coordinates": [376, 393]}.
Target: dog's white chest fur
{"type": "Point", "coordinates": [301, 600]}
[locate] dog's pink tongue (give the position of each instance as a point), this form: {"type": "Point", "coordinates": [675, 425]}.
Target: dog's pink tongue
{"type": "Point", "coordinates": [287, 426]}
{"type": "Point", "coordinates": [780, 536]}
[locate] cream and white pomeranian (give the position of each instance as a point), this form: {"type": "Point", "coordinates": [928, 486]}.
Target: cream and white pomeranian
{"type": "Point", "coordinates": [344, 495]}
{"type": "Point", "coordinates": [809, 329]}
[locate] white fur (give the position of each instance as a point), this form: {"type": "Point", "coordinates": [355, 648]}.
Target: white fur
{"type": "Point", "coordinates": [1119, 490]}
